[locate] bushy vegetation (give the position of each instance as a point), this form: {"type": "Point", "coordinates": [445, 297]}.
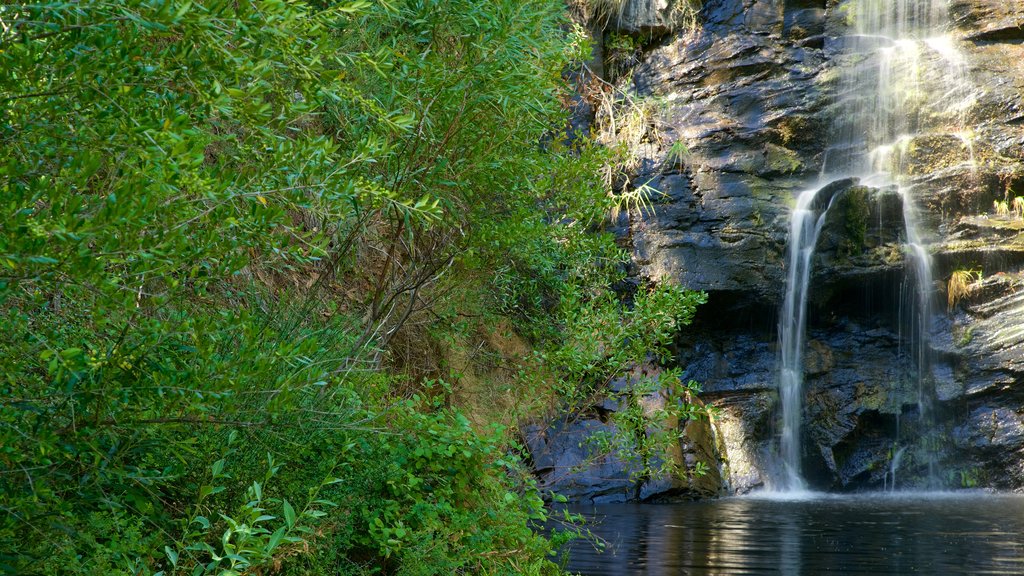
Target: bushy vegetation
{"type": "Point", "coordinates": [230, 232]}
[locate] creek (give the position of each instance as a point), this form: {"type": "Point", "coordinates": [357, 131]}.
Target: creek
{"type": "Point", "coordinates": [872, 534]}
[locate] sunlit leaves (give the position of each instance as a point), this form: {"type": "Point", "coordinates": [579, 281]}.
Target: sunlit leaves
{"type": "Point", "coordinates": [212, 214]}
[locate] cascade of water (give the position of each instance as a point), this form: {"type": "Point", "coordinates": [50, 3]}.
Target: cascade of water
{"type": "Point", "coordinates": [888, 94]}
{"type": "Point", "coordinates": [894, 466]}
{"type": "Point", "coordinates": [919, 323]}
{"type": "Point", "coordinates": [805, 226]}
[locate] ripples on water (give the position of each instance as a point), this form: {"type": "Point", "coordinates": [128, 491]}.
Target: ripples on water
{"type": "Point", "coordinates": [934, 534]}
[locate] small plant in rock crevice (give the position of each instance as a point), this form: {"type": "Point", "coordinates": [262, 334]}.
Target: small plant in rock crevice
{"type": "Point", "coordinates": [622, 53]}
{"type": "Point", "coordinates": [678, 14]}
{"type": "Point", "coordinates": [964, 336]}
{"type": "Point", "coordinates": [961, 284]}
{"type": "Point", "coordinates": [1001, 207]}
{"type": "Point", "coordinates": [677, 156]}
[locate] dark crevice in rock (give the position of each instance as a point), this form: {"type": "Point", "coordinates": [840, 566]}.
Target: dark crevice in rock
{"type": "Point", "coordinates": [737, 310]}
{"type": "Point", "coordinates": [1008, 34]}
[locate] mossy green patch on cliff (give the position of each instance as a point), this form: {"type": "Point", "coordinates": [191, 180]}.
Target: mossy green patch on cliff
{"type": "Point", "coordinates": [876, 397]}
{"type": "Point", "coordinates": [782, 159]}
{"type": "Point", "coordinates": [928, 153]}
{"type": "Point", "coordinates": [794, 130]}
{"type": "Point", "coordinates": [855, 211]}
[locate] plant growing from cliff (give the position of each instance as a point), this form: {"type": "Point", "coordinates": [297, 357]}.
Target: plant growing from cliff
{"type": "Point", "coordinates": [964, 477]}
{"type": "Point", "coordinates": [625, 124]}
{"type": "Point", "coordinates": [1018, 207]}
{"type": "Point", "coordinates": [1001, 207]}
{"type": "Point", "coordinates": [961, 284]}
{"type": "Point", "coordinates": [965, 336]}
{"type": "Point", "coordinates": [635, 200]}
{"type": "Point", "coordinates": [622, 53]}
{"type": "Point", "coordinates": [677, 156]}
{"type": "Point", "coordinates": [604, 338]}
{"type": "Point", "coordinates": [648, 427]}
{"type": "Point", "coordinates": [680, 14]}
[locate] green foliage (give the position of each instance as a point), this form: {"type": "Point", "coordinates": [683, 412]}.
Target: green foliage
{"type": "Point", "coordinates": [442, 478]}
{"type": "Point", "coordinates": [622, 53]}
{"type": "Point", "coordinates": [1001, 207]}
{"type": "Point", "coordinates": [650, 424]}
{"type": "Point", "coordinates": [967, 478]}
{"type": "Point", "coordinates": [677, 156]}
{"type": "Point", "coordinates": [216, 218]}
{"type": "Point", "coordinates": [602, 338]}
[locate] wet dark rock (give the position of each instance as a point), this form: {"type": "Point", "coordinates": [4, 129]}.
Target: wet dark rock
{"type": "Point", "coordinates": [746, 108]}
{"type": "Point", "coordinates": [805, 23]}
{"type": "Point", "coordinates": [649, 17]}
{"type": "Point", "coordinates": [750, 97]}
{"type": "Point", "coordinates": [991, 427]}
{"type": "Point", "coordinates": [568, 459]}
{"type": "Point", "coordinates": [583, 457]}
{"type": "Point", "coordinates": [990, 20]}
{"type": "Point", "coordinates": [992, 437]}
{"type": "Point", "coordinates": [724, 364]}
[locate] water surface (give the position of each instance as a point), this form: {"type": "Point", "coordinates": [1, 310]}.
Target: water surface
{"type": "Point", "coordinates": [871, 534]}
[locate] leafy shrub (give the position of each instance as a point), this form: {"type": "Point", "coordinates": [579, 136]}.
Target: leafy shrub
{"type": "Point", "coordinates": [215, 218]}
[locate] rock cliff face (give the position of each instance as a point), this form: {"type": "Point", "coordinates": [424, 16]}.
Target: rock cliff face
{"type": "Point", "coordinates": [740, 115]}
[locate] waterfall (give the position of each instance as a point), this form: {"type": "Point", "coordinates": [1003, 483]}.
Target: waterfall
{"type": "Point", "coordinates": [894, 465]}
{"type": "Point", "coordinates": [805, 226]}
{"type": "Point", "coordinates": [900, 75]}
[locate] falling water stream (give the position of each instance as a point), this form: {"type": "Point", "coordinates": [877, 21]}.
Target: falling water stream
{"type": "Point", "coordinates": [806, 223]}
{"type": "Point", "coordinates": [903, 75]}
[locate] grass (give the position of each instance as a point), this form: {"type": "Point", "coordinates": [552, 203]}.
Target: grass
{"type": "Point", "coordinates": [626, 126]}
{"type": "Point", "coordinates": [961, 284]}
{"type": "Point", "coordinates": [603, 11]}
{"type": "Point", "coordinates": [681, 13]}
{"type": "Point", "coordinates": [1001, 208]}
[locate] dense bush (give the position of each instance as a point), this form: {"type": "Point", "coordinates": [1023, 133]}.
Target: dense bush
{"type": "Point", "coordinates": [215, 220]}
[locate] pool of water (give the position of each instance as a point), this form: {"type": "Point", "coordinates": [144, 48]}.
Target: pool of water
{"type": "Point", "coordinates": [945, 533]}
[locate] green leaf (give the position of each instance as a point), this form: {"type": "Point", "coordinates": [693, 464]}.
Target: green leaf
{"type": "Point", "coordinates": [275, 539]}
{"type": "Point", "coordinates": [289, 514]}
{"type": "Point", "coordinates": [171, 555]}
{"type": "Point", "coordinates": [42, 260]}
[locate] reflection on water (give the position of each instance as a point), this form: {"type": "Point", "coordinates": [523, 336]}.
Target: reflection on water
{"type": "Point", "coordinates": [876, 534]}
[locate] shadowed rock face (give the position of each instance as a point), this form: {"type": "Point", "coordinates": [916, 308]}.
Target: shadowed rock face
{"type": "Point", "coordinates": [583, 458]}
{"type": "Point", "coordinates": [749, 98]}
